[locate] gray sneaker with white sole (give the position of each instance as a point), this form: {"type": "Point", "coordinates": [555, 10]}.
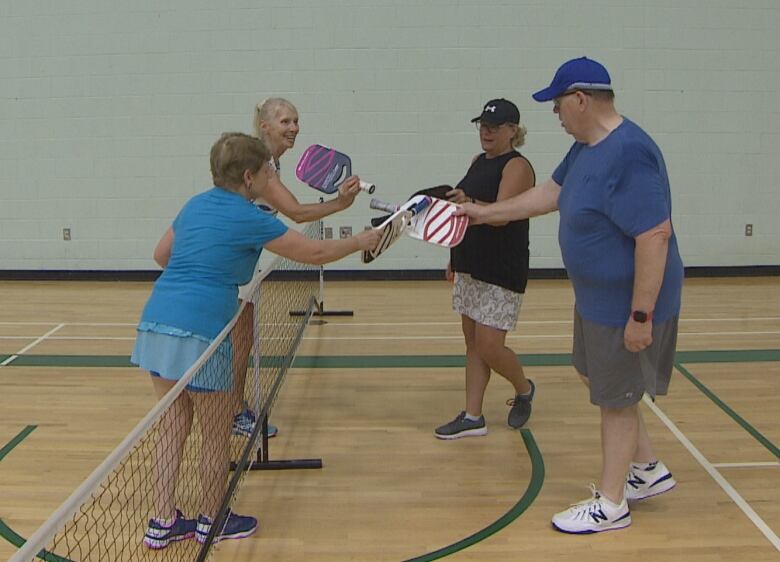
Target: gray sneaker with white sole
{"type": "Point", "coordinates": [461, 426]}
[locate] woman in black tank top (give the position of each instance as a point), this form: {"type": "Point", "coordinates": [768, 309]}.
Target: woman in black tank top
{"type": "Point", "coordinates": [490, 269]}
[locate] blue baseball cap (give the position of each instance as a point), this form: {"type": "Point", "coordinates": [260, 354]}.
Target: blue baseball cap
{"type": "Point", "coordinates": [577, 74]}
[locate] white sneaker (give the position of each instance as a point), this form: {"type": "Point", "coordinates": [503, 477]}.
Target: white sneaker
{"type": "Point", "coordinates": [593, 515]}
{"type": "Point", "coordinates": [648, 481]}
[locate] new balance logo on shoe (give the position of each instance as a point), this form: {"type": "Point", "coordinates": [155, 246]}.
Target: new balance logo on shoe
{"type": "Point", "coordinates": [634, 481]}
{"type": "Point", "coordinates": [647, 481]}
{"type": "Point", "coordinates": [593, 515]}
{"type": "Point", "coordinates": [598, 516]}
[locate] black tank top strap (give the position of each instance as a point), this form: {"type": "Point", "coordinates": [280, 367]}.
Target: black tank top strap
{"type": "Point", "coordinates": [495, 254]}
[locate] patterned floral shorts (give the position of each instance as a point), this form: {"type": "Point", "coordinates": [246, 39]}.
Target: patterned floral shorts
{"type": "Point", "coordinates": [487, 304]}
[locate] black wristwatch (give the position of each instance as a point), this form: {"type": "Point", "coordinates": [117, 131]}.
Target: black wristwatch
{"type": "Point", "coordinates": [641, 316]}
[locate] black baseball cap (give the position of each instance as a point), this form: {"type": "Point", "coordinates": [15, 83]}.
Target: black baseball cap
{"type": "Point", "coordinates": [499, 111]}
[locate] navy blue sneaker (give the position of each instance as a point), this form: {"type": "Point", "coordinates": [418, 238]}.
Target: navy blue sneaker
{"type": "Point", "coordinates": [244, 424]}
{"type": "Point", "coordinates": [236, 527]}
{"type": "Point", "coordinates": [159, 536]}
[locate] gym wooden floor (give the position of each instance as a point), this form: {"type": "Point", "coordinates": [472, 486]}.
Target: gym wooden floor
{"type": "Point", "coordinates": [389, 491]}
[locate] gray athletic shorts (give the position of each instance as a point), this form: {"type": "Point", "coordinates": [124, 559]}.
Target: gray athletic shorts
{"type": "Point", "coordinates": [618, 378]}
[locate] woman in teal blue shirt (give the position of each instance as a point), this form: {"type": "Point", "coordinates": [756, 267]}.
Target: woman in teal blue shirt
{"type": "Point", "coordinates": [211, 248]}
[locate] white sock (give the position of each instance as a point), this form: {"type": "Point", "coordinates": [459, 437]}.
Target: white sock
{"type": "Point", "coordinates": [610, 502]}
{"type": "Point", "coordinates": [472, 418]}
{"type": "Point", "coordinates": [167, 523]}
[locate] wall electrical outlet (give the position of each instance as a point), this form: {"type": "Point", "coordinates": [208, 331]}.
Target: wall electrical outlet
{"type": "Point", "coordinates": [345, 231]}
{"type": "Point", "coordinates": [66, 234]}
{"type": "Point", "coordinates": [748, 230]}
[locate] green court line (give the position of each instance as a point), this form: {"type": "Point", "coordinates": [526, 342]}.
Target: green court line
{"type": "Point", "coordinates": [15, 539]}
{"type": "Point", "coordinates": [5, 531]}
{"type": "Point", "coordinates": [728, 356]}
{"type": "Point", "coordinates": [399, 361]}
{"type": "Point", "coordinates": [537, 476]}
{"type": "Point", "coordinates": [21, 436]}
{"type": "Point", "coordinates": [533, 489]}
{"type": "Point", "coordinates": [415, 361]}
{"type": "Point", "coordinates": [72, 361]}
{"type": "Point", "coordinates": [771, 447]}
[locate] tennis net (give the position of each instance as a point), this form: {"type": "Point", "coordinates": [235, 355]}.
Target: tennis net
{"type": "Point", "coordinates": [176, 458]}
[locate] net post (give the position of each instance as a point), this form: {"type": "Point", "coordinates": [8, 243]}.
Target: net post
{"type": "Point", "coordinates": [321, 297]}
{"type": "Point", "coordinates": [263, 461]}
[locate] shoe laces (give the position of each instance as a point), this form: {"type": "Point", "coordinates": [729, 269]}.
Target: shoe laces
{"type": "Point", "coordinates": [511, 401]}
{"type": "Point", "coordinates": [593, 500]}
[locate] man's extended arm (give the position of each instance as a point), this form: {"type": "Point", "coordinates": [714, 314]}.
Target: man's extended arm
{"type": "Point", "coordinates": [538, 200]}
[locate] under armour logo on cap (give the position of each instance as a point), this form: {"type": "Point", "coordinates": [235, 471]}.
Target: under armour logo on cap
{"type": "Point", "coordinates": [499, 111]}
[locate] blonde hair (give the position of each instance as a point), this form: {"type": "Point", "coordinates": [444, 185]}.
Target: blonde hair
{"type": "Point", "coordinates": [267, 109]}
{"type": "Point", "coordinates": [518, 139]}
{"type": "Point", "coordinates": [232, 155]}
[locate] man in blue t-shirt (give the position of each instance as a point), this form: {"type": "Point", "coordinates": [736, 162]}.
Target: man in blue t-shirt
{"type": "Point", "coordinates": [620, 252]}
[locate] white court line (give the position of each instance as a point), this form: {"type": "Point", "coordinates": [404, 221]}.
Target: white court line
{"type": "Point", "coordinates": [425, 337]}
{"type": "Point", "coordinates": [710, 468]}
{"type": "Point", "coordinates": [514, 336]}
{"type": "Point", "coordinates": [28, 347]}
{"type": "Point", "coordinates": [67, 324]}
{"type": "Point", "coordinates": [763, 333]}
{"type": "Point", "coordinates": [771, 464]}
{"type": "Point", "coordinates": [524, 336]}
{"type": "Point", "coordinates": [76, 338]}
{"type": "Point", "coordinates": [26, 323]}
{"type": "Point", "coordinates": [452, 323]}
{"type": "Point", "coordinates": [730, 319]}
{"type": "Point", "coordinates": [523, 322]}
{"type": "Point", "coordinates": [535, 322]}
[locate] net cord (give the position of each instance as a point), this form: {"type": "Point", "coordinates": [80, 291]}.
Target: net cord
{"type": "Point", "coordinates": [46, 532]}
{"type": "Point", "coordinates": [243, 463]}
